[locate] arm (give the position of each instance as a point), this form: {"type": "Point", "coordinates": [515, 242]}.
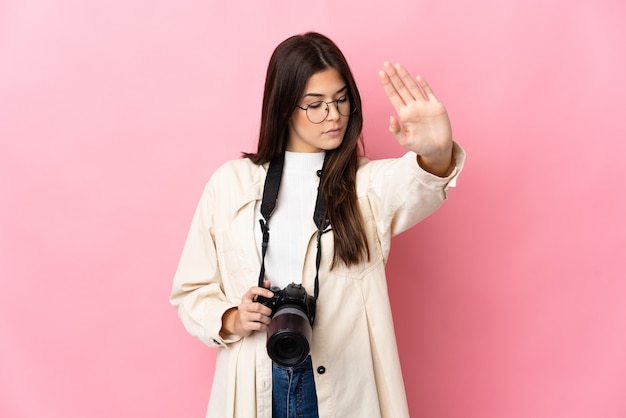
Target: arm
{"type": "Point", "coordinates": [401, 193]}
{"type": "Point", "coordinates": [198, 292]}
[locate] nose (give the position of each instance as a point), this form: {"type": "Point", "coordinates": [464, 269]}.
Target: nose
{"type": "Point", "coordinates": [333, 110]}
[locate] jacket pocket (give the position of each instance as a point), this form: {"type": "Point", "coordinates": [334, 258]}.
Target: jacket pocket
{"type": "Point", "coordinates": [238, 260]}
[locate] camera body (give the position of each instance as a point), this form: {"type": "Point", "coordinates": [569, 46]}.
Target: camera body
{"type": "Point", "coordinates": [290, 332]}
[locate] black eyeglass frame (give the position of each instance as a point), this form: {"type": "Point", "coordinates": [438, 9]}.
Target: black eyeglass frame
{"type": "Point", "coordinates": [319, 102]}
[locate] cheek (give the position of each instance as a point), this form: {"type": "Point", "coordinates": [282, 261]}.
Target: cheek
{"type": "Point", "coordinates": [346, 123]}
{"type": "Point", "coordinates": [299, 119]}
{"type": "Point", "coordinates": [301, 124]}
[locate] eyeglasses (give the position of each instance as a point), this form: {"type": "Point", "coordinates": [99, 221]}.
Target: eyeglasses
{"type": "Point", "coordinates": [317, 112]}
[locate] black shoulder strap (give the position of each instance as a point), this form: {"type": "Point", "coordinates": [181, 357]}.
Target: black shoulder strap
{"type": "Point", "coordinates": [268, 204]}
{"type": "Point", "coordinates": [272, 184]}
{"type": "Point", "coordinates": [322, 222]}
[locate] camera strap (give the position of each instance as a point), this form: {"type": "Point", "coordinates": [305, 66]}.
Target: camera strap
{"type": "Point", "coordinates": [268, 204]}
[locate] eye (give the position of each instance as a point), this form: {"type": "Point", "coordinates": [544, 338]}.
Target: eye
{"type": "Point", "coordinates": [343, 99]}
{"type": "Point", "coordinates": [315, 105]}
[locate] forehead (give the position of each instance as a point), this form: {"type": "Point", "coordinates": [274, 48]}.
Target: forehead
{"type": "Point", "coordinates": [324, 83]}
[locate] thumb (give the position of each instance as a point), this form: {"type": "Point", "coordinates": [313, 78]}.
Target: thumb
{"type": "Point", "coordinates": [394, 125]}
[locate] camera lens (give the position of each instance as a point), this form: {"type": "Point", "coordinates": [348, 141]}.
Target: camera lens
{"type": "Point", "coordinates": [288, 346]}
{"type": "Point", "coordinates": [289, 337]}
{"type": "Point", "coordinates": [290, 349]}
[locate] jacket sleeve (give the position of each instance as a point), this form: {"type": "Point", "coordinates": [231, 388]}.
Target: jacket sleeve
{"type": "Point", "coordinates": [197, 290]}
{"type": "Point", "coordinates": [401, 194]}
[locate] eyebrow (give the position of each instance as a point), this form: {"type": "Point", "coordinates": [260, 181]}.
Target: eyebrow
{"type": "Point", "coordinates": [341, 90]}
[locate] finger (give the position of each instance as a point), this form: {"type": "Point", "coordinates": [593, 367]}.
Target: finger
{"type": "Point", "coordinates": [259, 308]}
{"type": "Point", "coordinates": [263, 319]}
{"type": "Point", "coordinates": [253, 292]}
{"type": "Point", "coordinates": [254, 312]}
{"type": "Point", "coordinates": [394, 125]}
{"type": "Point", "coordinates": [387, 76]}
{"type": "Point", "coordinates": [262, 291]}
{"type": "Point", "coordinates": [255, 317]}
{"type": "Point", "coordinates": [400, 80]}
{"type": "Point", "coordinates": [426, 87]}
{"type": "Point", "coordinates": [390, 90]}
{"type": "Point", "coordinates": [257, 326]}
{"type": "Point", "coordinates": [409, 82]}
{"type": "Point", "coordinates": [248, 325]}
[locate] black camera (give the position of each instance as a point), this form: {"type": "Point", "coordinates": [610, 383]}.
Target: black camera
{"type": "Point", "coordinates": [290, 332]}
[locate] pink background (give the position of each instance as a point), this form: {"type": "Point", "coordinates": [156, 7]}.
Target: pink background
{"type": "Point", "coordinates": [509, 302]}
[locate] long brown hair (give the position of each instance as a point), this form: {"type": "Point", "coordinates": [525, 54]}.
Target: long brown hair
{"type": "Point", "coordinates": [293, 62]}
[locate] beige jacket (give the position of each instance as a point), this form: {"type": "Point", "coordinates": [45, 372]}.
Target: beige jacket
{"type": "Point", "coordinates": [355, 358]}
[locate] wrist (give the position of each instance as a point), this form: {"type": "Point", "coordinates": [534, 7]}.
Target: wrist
{"type": "Point", "coordinates": [228, 322]}
{"type": "Point", "coordinates": [440, 164]}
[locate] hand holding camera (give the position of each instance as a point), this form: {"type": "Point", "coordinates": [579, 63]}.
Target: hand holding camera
{"type": "Point", "coordinates": [286, 314]}
{"type": "Point", "coordinates": [249, 316]}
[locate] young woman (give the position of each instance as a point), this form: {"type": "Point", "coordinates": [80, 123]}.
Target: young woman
{"type": "Point", "coordinates": [310, 136]}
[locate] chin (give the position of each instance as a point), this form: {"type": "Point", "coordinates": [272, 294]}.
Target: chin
{"type": "Point", "coordinates": [331, 145]}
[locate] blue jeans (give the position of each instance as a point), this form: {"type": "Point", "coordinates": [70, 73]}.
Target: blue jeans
{"type": "Point", "coordinates": [293, 391]}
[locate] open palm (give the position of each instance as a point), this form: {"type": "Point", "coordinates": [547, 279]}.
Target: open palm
{"type": "Point", "coordinates": [422, 124]}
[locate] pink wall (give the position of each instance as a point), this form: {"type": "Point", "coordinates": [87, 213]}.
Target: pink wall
{"type": "Point", "coordinates": [509, 302]}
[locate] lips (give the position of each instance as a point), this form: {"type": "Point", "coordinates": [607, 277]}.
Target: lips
{"type": "Point", "coordinates": [333, 131]}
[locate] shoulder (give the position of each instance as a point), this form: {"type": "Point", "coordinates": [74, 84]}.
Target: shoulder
{"type": "Point", "coordinates": [236, 179]}
{"type": "Point", "coordinates": [238, 166]}
{"type": "Point", "coordinates": [238, 170]}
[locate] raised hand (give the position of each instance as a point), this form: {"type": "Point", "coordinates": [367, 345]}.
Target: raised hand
{"type": "Point", "coordinates": [422, 124]}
